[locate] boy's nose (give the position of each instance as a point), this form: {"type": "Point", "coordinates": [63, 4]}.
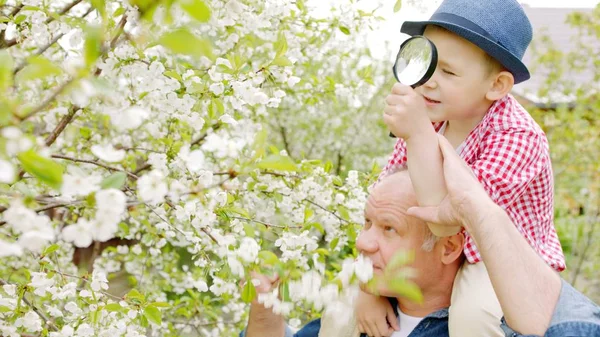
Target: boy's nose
{"type": "Point", "coordinates": [432, 83]}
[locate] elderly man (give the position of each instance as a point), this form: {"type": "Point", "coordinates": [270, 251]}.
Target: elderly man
{"type": "Point", "coordinates": [534, 299]}
{"type": "Point", "coordinates": [388, 230]}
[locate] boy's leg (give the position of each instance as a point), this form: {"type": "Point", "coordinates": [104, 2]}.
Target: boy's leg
{"type": "Point", "coordinates": [474, 309]}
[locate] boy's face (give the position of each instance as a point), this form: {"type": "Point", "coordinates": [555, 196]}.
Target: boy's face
{"type": "Point", "coordinates": [457, 89]}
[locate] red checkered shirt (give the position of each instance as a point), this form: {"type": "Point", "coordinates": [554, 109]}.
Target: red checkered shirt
{"type": "Point", "coordinates": [508, 153]}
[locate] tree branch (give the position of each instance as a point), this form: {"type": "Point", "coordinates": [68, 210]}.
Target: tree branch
{"type": "Point", "coordinates": [64, 10]}
{"type": "Point", "coordinates": [145, 166]}
{"type": "Point", "coordinates": [46, 320]}
{"type": "Point", "coordinates": [63, 86]}
{"type": "Point", "coordinates": [62, 125]}
{"type": "Point", "coordinates": [50, 44]}
{"type": "Point", "coordinates": [328, 211]}
{"type": "Point", "coordinates": [110, 168]}
{"type": "Point", "coordinates": [263, 223]}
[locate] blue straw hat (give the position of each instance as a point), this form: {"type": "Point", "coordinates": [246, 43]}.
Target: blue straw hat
{"type": "Point", "coordinates": [499, 27]}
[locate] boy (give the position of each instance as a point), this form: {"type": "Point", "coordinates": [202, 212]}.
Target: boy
{"type": "Point", "coordinates": [480, 46]}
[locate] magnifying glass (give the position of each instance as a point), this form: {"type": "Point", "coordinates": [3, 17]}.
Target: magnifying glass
{"type": "Point", "coordinates": [415, 63]}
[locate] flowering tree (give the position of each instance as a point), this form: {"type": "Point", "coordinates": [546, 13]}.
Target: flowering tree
{"type": "Point", "coordinates": [168, 148]}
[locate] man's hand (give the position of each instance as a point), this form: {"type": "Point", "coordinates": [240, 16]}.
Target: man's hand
{"type": "Point", "coordinates": [263, 321]}
{"type": "Point", "coordinates": [405, 112]}
{"type": "Point", "coordinates": [466, 203]}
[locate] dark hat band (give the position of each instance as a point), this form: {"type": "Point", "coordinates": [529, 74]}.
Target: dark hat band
{"type": "Point", "coordinates": [465, 23]}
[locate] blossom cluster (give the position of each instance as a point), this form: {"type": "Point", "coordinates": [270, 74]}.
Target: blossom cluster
{"type": "Point", "coordinates": [154, 154]}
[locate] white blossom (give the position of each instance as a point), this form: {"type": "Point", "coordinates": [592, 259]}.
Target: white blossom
{"type": "Point", "coordinates": [152, 187]}
{"type": "Point", "coordinates": [7, 172]}
{"type": "Point", "coordinates": [108, 153]}
{"type": "Point", "coordinates": [128, 119]}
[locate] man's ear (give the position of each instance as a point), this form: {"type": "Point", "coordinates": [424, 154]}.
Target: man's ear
{"type": "Point", "coordinates": [452, 248]}
{"type": "Point", "coordinates": [502, 84]}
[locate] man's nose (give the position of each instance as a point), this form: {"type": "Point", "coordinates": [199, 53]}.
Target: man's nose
{"type": "Point", "coordinates": [367, 241]}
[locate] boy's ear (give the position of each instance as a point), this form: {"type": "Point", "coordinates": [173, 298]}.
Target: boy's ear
{"type": "Point", "coordinates": [452, 248]}
{"type": "Point", "coordinates": [502, 84]}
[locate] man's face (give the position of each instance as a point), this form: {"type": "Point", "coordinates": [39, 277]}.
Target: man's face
{"type": "Point", "coordinates": [388, 230]}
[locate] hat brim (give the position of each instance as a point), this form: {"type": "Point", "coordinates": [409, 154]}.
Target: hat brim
{"type": "Point", "coordinates": [494, 49]}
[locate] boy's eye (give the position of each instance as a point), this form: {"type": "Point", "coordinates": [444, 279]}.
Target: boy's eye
{"type": "Point", "coordinates": [448, 72]}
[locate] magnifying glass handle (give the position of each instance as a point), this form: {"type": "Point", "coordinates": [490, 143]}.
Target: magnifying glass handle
{"type": "Point", "coordinates": [391, 134]}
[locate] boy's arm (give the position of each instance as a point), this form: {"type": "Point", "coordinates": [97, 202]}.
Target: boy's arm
{"type": "Point", "coordinates": [424, 161]}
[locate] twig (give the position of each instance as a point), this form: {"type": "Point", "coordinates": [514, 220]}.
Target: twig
{"type": "Point", "coordinates": [47, 101]}
{"type": "Point", "coordinates": [145, 166]}
{"type": "Point", "coordinates": [46, 320]}
{"type": "Point", "coordinates": [201, 138]}
{"type": "Point", "coordinates": [110, 168]}
{"type": "Point", "coordinates": [588, 244]}
{"type": "Point", "coordinates": [50, 44]}
{"type": "Point", "coordinates": [326, 210]}
{"type": "Point", "coordinates": [63, 86]}
{"type": "Point", "coordinates": [64, 10]}
{"type": "Point", "coordinates": [286, 145]}
{"type": "Point", "coordinates": [62, 125]}
{"type": "Point", "coordinates": [202, 229]}
{"type": "Point", "coordinates": [263, 223]}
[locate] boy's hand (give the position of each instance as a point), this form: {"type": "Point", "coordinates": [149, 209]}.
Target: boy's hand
{"type": "Point", "coordinates": [375, 315]}
{"type": "Point", "coordinates": [404, 112]}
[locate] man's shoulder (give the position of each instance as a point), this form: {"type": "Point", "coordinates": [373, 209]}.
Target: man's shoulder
{"type": "Point", "coordinates": [309, 330]}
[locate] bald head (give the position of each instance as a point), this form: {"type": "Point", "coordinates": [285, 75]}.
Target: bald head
{"type": "Point", "coordinates": [397, 191]}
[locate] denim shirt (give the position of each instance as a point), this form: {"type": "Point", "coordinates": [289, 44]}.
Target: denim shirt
{"type": "Point", "coordinates": [575, 316]}
{"type": "Point", "coordinates": [432, 325]}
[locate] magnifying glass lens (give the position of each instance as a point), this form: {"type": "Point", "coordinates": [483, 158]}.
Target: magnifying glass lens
{"type": "Point", "coordinates": [415, 62]}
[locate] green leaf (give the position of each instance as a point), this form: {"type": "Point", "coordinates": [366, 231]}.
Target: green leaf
{"type": "Point", "coordinates": [160, 304]}
{"type": "Point", "coordinates": [282, 61]}
{"type": "Point", "coordinates": [51, 249]}
{"type": "Point", "coordinates": [181, 41]}
{"type": "Point", "coordinates": [344, 30]}
{"type": "Point", "coordinates": [113, 307]}
{"type": "Point", "coordinates": [400, 259]}
{"type": "Point", "coordinates": [397, 6]}
{"type": "Point", "coordinates": [280, 45]}
{"type": "Point", "coordinates": [173, 74]}
{"type": "Point", "coordinates": [196, 9]}
{"type": "Point", "coordinates": [100, 6]}
{"type": "Point", "coordinates": [308, 213]}
{"type": "Point", "coordinates": [248, 230]}
{"type": "Point", "coordinates": [6, 70]}
{"type": "Point", "coordinates": [249, 292]}
{"type": "Point", "coordinates": [115, 180]}
{"type": "Point", "coordinates": [120, 11]}
{"type": "Point", "coordinates": [20, 18]}
{"type": "Point", "coordinates": [93, 45]}
{"type": "Point", "coordinates": [268, 257]}
{"type": "Point", "coordinates": [334, 242]}
{"type": "Point", "coordinates": [133, 294]}
{"type": "Point", "coordinates": [259, 144]}
{"type": "Point", "coordinates": [406, 289]}
{"type": "Point", "coordinates": [278, 163]}
{"type": "Point", "coordinates": [153, 315]}
{"type": "Point", "coordinates": [284, 290]}
{"type": "Point", "coordinates": [38, 67]}
{"type": "Point", "coordinates": [46, 170]}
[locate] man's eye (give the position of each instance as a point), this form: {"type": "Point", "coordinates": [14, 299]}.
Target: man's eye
{"type": "Point", "coordinates": [389, 229]}
{"type": "Point", "coordinates": [448, 72]}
